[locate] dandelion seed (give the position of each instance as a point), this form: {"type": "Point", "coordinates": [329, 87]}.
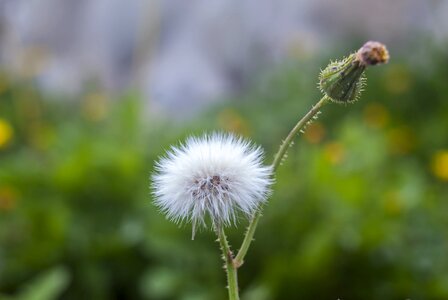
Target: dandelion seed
{"type": "Point", "coordinates": [215, 175]}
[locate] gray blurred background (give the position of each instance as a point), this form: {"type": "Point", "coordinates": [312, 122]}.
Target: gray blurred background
{"type": "Point", "coordinates": [154, 46]}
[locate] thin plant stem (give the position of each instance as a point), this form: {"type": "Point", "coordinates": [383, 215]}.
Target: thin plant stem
{"type": "Point", "coordinates": [231, 269]}
{"type": "Point", "coordinates": [239, 259]}
{"type": "Point", "coordinates": [292, 134]}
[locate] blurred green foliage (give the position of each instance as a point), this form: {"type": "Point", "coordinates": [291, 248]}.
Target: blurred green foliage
{"type": "Point", "coordinates": [359, 209]}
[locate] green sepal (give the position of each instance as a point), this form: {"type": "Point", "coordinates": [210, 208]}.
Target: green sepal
{"type": "Point", "coordinates": [343, 81]}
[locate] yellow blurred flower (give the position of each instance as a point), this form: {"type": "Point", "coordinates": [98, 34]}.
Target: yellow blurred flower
{"type": "Point", "coordinates": [393, 203]}
{"type": "Point", "coordinates": [334, 152]}
{"type": "Point", "coordinates": [401, 140]}
{"type": "Point", "coordinates": [439, 165]}
{"type": "Point", "coordinates": [6, 133]}
{"type": "Point", "coordinates": [376, 115]}
{"type": "Point", "coordinates": [231, 120]}
{"type": "Point", "coordinates": [314, 132]}
{"type": "Point", "coordinates": [8, 198]}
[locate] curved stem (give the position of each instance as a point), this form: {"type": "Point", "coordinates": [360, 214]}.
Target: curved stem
{"type": "Point", "coordinates": [292, 134]}
{"type": "Point", "coordinates": [239, 259]}
{"type": "Point", "coordinates": [231, 269]}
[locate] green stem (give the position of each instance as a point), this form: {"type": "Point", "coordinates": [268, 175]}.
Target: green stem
{"type": "Point", "coordinates": [239, 259]}
{"type": "Point", "coordinates": [231, 269]}
{"type": "Point", "coordinates": [292, 134]}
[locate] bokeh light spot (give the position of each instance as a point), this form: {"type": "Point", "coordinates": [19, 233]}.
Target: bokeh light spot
{"type": "Point", "coordinates": [8, 198]}
{"type": "Point", "coordinates": [314, 133]}
{"type": "Point", "coordinates": [230, 120]}
{"type": "Point", "coordinates": [439, 165]}
{"type": "Point", "coordinates": [401, 140]}
{"type": "Point", "coordinates": [6, 133]}
{"type": "Point", "coordinates": [334, 152]}
{"type": "Point", "coordinates": [376, 115]}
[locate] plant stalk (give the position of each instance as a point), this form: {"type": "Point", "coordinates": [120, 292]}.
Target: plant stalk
{"type": "Point", "coordinates": [231, 269]}
{"type": "Point", "coordinates": [239, 259]}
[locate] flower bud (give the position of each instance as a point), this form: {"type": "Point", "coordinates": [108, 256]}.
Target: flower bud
{"type": "Point", "coordinates": [342, 81]}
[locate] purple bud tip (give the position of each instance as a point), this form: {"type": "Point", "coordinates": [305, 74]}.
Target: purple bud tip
{"type": "Point", "coordinates": [372, 53]}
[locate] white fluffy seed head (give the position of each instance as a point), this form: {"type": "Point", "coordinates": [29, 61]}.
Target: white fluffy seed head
{"type": "Point", "coordinates": [215, 175]}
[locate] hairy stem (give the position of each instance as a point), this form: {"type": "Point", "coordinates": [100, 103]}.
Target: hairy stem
{"type": "Point", "coordinates": [231, 269]}
{"type": "Point", "coordinates": [239, 259]}
{"type": "Point", "coordinates": [292, 134]}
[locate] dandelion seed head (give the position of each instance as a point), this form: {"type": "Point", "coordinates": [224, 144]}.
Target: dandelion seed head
{"type": "Point", "coordinates": [215, 175]}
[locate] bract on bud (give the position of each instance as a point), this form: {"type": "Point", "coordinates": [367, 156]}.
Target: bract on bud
{"type": "Point", "coordinates": [342, 81]}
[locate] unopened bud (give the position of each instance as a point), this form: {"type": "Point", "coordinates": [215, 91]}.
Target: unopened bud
{"type": "Point", "coordinates": [342, 81]}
